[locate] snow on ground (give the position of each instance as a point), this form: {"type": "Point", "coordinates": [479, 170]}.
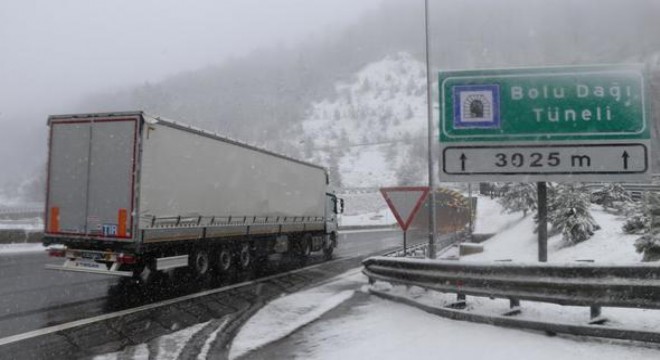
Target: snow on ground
{"type": "Point", "coordinates": [382, 217]}
{"type": "Point", "coordinates": [373, 328]}
{"type": "Point", "coordinates": [283, 316]}
{"type": "Point", "coordinates": [638, 319]}
{"type": "Point", "coordinates": [490, 218]}
{"type": "Point", "coordinates": [517, 241]}
{"type": "Point", "coordinates": [20, 248]}
{"type": "Point", "coordinates": [381, 329]}
{"type": "Point", "coordinates": [368, 208]}
{"type": "Point", "coordinates": [35, 224]}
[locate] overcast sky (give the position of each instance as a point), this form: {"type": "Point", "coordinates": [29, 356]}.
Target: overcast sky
{"type": "Point", "coordinates": [52, 52]}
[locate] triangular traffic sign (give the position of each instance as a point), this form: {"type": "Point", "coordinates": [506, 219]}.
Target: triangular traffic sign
{"type": "Point", "coordinates": [405, 202]}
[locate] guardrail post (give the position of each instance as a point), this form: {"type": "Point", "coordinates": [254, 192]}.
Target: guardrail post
{"type": "Point", "coordinates": [596, 315]}
{"type": "Point", "coordinates": [514, 307]}
{"type": "Point", "coordinates": [460, 303]}
{"type": "Point", "coordinates": [514, 303]}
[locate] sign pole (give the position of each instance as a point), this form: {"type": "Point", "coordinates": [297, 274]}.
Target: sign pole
{"type": "Point", "coordinates": [429, 103]}
{"type": "Point", "coordinates": [542, 194]}
{"type": "Point", "coordinates": [405, 246]}
{"type": "Point", "coordinates": [471, 211]}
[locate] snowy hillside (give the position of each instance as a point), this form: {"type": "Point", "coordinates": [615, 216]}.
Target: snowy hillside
{"type": "Point", "coordinates": [373, 132]}
{"type": "Point", "coordinates": [515, 238]}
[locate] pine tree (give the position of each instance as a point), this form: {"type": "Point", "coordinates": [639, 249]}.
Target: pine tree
{"type": "Point", "coordinates": [649, 244]}
{"type": "Point", "coordinates": [638, 219]}
{"type": "Point", "coordinates": [569, 213]}
{"type": "Point", "coordinates": [613, 195]}
{"type": "Point", "coordinates": [519, 197]}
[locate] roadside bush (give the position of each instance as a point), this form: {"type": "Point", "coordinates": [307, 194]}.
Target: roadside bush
{"type": "Point", "coordinates": [649, 246]}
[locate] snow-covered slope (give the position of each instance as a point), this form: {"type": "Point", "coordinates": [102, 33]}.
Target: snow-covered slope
{"type": "Point", "coordinates": [368, 133]}
{"type": "Point", "coordinates": [515, 239]}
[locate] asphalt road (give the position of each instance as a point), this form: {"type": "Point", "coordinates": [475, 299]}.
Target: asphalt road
{"type": "Point", "coordinates": [32, 297]}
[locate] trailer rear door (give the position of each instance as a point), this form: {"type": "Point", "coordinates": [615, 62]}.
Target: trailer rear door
{"type": "Point", "coordinates": [91, 177]}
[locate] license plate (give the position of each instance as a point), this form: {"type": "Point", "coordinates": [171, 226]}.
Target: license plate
{"type": "Point", "coordinates": [90, 255]}
{"type": "Point", "coordinates": [88, 264]}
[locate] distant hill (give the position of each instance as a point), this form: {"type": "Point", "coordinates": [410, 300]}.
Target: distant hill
{"type": "Point", "coordinates": [372, 131]}
{"type": "Point", "coordinates": [354, 99]}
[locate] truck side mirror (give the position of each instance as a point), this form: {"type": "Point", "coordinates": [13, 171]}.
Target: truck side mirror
{"type": "Point", "coordinates": [341, 206]}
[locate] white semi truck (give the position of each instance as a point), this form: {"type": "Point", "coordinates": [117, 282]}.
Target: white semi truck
{"type": "Point", "coordinates": [129, 194]}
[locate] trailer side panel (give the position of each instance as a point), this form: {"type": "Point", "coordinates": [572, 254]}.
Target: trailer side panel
{"type": "Point", "coordinates": [188, 174]}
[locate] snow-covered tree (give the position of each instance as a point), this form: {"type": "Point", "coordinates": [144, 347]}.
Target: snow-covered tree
{"type": "Point", "coordinates": [519, 197]}
{"type": "Point", "coordinates": [649, 244]}
{"type": "Point", "coordinates": [638, 219]}
{"type": "Point", "coordinates": [612, 196]}
{"type": "Point", "coordinates": [568, 212]}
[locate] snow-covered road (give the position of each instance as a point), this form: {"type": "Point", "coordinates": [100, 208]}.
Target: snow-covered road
{"type": "Point", "coordinates": [367, 327]}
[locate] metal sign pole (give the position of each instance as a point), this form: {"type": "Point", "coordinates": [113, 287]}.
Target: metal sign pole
{"type": "Point", "coordinates": [405, 247]}
{"type": "Point", "coordinates": [542, 194]}
{"type": "Point", "coordinates": [429, 99]}
{"type": "Point", "coordinates": [471, 211]}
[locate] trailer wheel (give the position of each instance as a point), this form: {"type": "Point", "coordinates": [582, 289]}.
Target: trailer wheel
{"type": "Point", "coordinates": [244, 256]}
{"type": "Point", "coordinates": [303, 248]}
{"type": "Point", "coordinates": [329, 245]}
{"type": "Point", "coordinates": [225, 260]}
{"type": "Point", "coordinates": [200, 263]}
{"type": "Point", "coordinates": [306, 246]}
{"type": "Point", "coordinates": [145, 272]}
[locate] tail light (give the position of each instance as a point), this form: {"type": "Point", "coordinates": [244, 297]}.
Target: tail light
{"type": "Point", "coordinates": [54, 220]}
{"type": "Point", "coordinates": [55, 252]}
{"type": "Point", "coordinates": [121, 222]}
{"type": "Point", "coordinates": [126, 259]}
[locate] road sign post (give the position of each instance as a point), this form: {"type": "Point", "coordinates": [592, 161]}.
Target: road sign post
{"type": "Point", "coordinates": [566, 124]}
{"type": "Point", "coordinates": [404, 202]}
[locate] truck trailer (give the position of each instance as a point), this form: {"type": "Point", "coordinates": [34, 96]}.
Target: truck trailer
{"type": "Point", "coordinates": [131, 194]}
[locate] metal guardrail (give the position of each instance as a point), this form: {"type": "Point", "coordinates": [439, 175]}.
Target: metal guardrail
{"type": "Point", "coordinates": [578, 285]}
{"type": "Point", "coordinates": [641, 187]}
{"type": "Point", "coordinates": [581, 285]}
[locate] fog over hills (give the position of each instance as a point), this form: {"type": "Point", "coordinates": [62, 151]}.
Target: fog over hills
{"type": "Point", "coordinates": [283, 98]}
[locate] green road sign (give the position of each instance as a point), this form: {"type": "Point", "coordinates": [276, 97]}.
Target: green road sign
{"type": "Point", "coordinates": [552, 123]}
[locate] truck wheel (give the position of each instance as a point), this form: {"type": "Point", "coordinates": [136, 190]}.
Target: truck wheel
{"type": "Point", "coordinates": [306, 246]}
{"type": "Point", "coordinates": [225, 260]}
{"type": "Point", "coordinates": [145, 272]}
{"type": "Point", "coordinates": [244, 256]}
{"type": "Point", "coordinates": [200, 263]}
{"type": "Point", "coordinates": [329, 246]}
{"type": "Point", "coordinates": [303, 248]}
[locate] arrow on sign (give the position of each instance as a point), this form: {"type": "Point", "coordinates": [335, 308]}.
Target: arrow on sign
{"type": "Point", "coordinates": [463, 158]}
{"type": "Point", "coordinates": [625, 157]}
{"type": "Point", "coordinates": [404, 202]}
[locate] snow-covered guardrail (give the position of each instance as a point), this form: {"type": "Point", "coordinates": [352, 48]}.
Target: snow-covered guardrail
{"type": "Point", "coordinates": [581, 284]}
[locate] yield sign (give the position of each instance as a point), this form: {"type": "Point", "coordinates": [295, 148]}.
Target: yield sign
{"type": "Point", "coordinates": [404, 202]}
